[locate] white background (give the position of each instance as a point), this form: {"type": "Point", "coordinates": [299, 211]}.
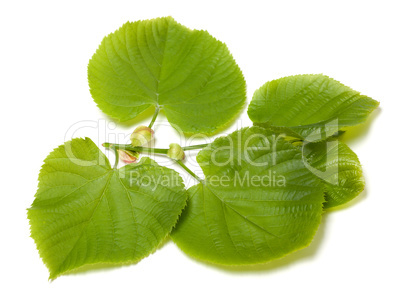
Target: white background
{"type": "Point", "coordinates": [356, 254]}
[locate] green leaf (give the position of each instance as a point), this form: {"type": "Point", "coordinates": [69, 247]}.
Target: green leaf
{"type": "Point", "coordinates": [338, 168]}
{"type": "Point", "coordinates": [85, 212]}
{"type": "Point", "coordinates": [313, 107]}
{"type": "Point", "coordinates": [258, 202]}
{"type": "Point", "coordinates": [160, 63]}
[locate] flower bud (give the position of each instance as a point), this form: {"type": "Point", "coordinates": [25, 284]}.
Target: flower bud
{"type": "Point", "coordinates": [128, 156]}
{"type": "Point", "coordinates": [175, 152]}
{"type": "Point", "coordinates": [142, 135]}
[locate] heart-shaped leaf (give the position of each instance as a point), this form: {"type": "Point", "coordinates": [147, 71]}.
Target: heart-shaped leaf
{"type": "Point", "coordinates": [258, 201]}
{"type": "Point", "coordinates": [85, 212]}
{"type": "Point", "coordinates": [160, 63]}
{"type": "Point", "coordinates": [314, 107]}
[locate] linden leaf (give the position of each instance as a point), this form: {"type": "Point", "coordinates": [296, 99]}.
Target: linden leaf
{"type": "Point", "coordinates": [338, 168]}
{"type": "Point", "coordinates": [85, 212]}
{"type": "Point", "coordinates": [160, 63]}
{"type": "Point", "coordinates": [258, 201]}
{"type": "Point", "coordinates": [314, 107]}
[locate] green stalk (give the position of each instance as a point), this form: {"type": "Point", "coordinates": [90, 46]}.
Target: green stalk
{"type": "Point", "coordinates": [189, 171]}
{"type": "Point", "coordinates": [154, 117]}
{"type": "Point", "coordinates": [116, 160]}
{"type": "Point", "coordinates": [148, 149]}
{"type": "Point", "coordinates": [129, 147]}
{"type": "Point", "coordinates": [194, 147]}
{"type": "Point", "coordinates": [136, 148]}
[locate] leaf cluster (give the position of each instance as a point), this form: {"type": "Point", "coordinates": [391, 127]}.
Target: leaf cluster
{"type": "Point", "coordinates": [265, 186]}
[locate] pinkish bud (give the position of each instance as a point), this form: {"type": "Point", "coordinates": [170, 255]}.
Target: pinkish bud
{"type": "Point", "coordinates": [128, 156]}
{"type": "Point", "coordinates": [141, 136]}
{"type": "Point", "coordinates": [175, 152]}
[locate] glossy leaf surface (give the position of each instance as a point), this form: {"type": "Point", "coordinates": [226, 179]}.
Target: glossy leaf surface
{"type": "Point", "coordinates": [312, 106]}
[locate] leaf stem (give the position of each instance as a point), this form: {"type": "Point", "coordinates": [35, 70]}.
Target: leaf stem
{"type": "Point", "coordinates": [189, 171]}
{"type": "Point", "coordinates": [136, 148]}
{"type": "Point", "coordinates": [148, 149]}
{"type": "Point", "coordinates": [129, 147]}
{"type": "Point", "coordinates": [154, 117]}
{"type": "Point", "coordinates": [194, 147]}
{"type": "Point", "coordinates": [116, 160]}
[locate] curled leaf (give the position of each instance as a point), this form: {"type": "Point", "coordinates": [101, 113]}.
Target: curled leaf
{"type": "Point", "coordinates": [128, 156]}
{"type": "Point", "coordinates": [141, 136]}
{"type": "Point", "coordinates": [175, 152]}
{"type": "Point", "coordinates": [338, 168]}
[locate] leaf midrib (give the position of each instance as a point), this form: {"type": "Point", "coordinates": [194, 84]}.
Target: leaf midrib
{"type": "Point", "coordinates": [237, 212]}
{"type": "Point", "coordinates": [72, 192]}
{"type": "Point", "coordinates": [90, 218]}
